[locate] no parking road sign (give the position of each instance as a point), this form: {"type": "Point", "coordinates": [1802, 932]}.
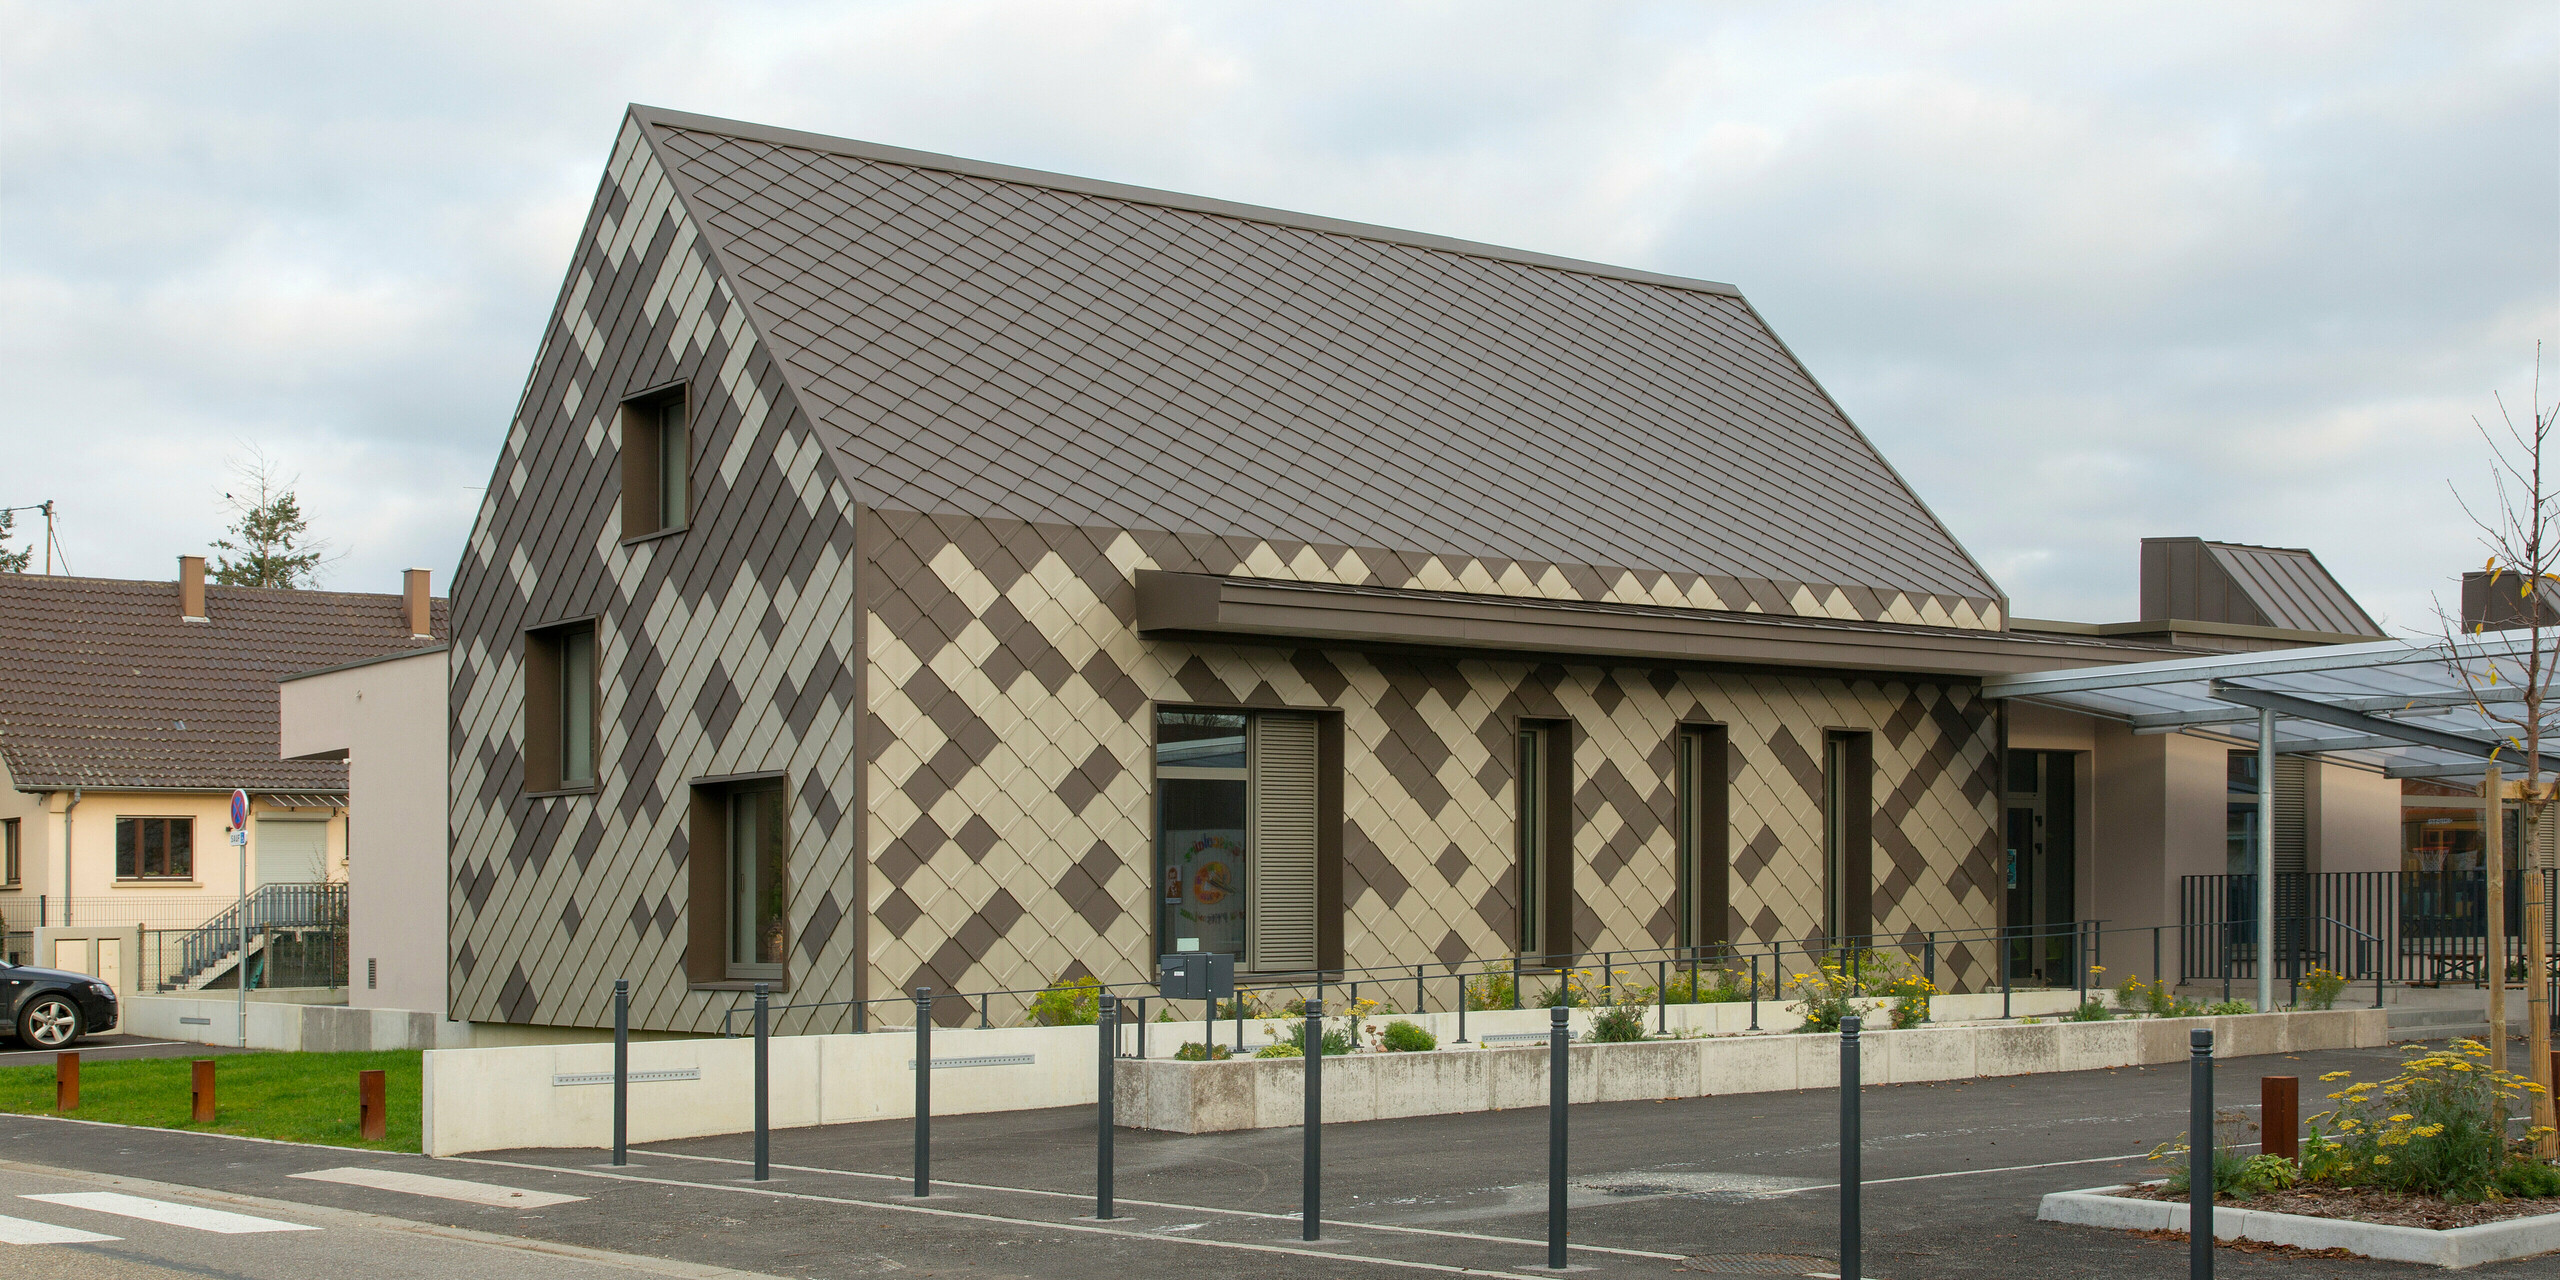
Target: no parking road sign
{"type": "Point", "coordinates": [239, 817]}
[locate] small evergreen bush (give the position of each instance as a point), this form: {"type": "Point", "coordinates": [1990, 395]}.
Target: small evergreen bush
{"type": "Point", "coordinates": [1402, 1036]}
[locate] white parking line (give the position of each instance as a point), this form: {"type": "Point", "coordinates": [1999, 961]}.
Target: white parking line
{"type": "Point", "coordinates": [22, 1231]}
{"type": "Point", "coordinates": [190, 1216]}
{"type": "Point", "coordinates": [419, 1184]}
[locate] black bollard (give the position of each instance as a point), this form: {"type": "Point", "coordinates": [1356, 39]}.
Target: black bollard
{"type": "Point", "coordinates": [1104, 1104]}
{"type": "Point", "coordinates": [924, 1092]}
{"type": "Point", "coordinates": [1850, 1234]}
{"type": "Point", "coordinates": [1559, 1062]}
{"type": "Point", "coordinates": [622, 1071]}
{"type": "Point", "coordinates": [1311, 1163]}
{"type": "Point", "coordinates": [2200, 1155]}
{"type": "Point", "coordinates": [764, 1109]}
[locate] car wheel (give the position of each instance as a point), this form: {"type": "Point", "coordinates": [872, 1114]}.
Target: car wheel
{"type": "Point", "coordinates": [49, 1021]}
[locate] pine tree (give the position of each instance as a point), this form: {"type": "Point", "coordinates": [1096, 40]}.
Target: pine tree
{"type": "Point", "coordinates": [270, 543]}
{"type": "Point", "coordinates": [12, 561]}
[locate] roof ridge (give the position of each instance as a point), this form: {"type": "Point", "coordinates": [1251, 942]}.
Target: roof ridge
{"type": "Point", "coordinates": [172, 583]}
{"type": "Point", "coordinates": [689, 122]}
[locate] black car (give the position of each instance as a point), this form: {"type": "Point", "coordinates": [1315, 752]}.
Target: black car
{"type": "Point", "coordinates": [51, 1009]}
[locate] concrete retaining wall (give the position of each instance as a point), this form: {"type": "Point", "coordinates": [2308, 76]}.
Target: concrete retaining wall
{"type": "Point", "coordinates": [1209, 1097]}
{"type": "Point", "coordinates": [493, 1099]}
{"type": "Point", "coordinates": [283, 1022]}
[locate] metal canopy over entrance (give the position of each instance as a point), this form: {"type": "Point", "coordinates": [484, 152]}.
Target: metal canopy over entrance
{"type": "Point", "coordinates": [2412, 710]}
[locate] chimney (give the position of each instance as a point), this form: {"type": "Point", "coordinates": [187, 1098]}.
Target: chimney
{"type": "Point", "coordinates": [191, 589]}
{"type": "Point", "coordinates": [414, 604]}
{"type": "Point", "coordinates": [2502, 605]}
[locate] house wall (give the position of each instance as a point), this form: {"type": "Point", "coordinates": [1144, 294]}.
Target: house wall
{"type": "Point", "coordinates": [386, 719]}
{"type": "Point", "coordinates": [97, 897]}
{"type": "Point", "coordinates": [1000, 788]}
{"type": "Point", "coordinates": [2355, 819]}
{"type": "Point", "coordinates": [726, 648]}
{"type": "Point", "coordinates": [1011, 770]}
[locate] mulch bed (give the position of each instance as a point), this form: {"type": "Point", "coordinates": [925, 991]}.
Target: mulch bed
{"type": "Point", "coordinates": [2364, 1204]}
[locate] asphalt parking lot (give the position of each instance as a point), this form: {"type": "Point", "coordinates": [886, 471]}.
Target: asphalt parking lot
{"type": "Point", "coordinates": [108, 1048]}
{"type": "Point", "coordinates": [1731, 1185]}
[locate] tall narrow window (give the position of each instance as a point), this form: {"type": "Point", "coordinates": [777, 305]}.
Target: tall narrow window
{"type": "Point", "coordinates": [657, 464]}
{"type": "Point", "coordinates": [1240, 846]}
{"type": "Point", "coordinates": [759, 880]}
{"type": "Point", "coordinates": [560, 707]}
{"type": "Point", "coordinates": [1545, 835]}
{"type": "Point", "coordinates": [1705, 857]}
{"type": "Point", "coordinates": [1848, 862]}
{"type": "Point", "coordinates": [9, 852]}
{"type": "Point", "coordinates": [1532, 827]}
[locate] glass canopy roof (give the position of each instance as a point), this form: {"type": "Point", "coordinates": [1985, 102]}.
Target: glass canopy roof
{"type": "Point", "coordinates": [2414, 709]}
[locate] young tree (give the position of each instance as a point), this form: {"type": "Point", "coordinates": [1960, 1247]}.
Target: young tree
{"type": "Point", "coordinates": [2519, 524]}
{"type": "Point", "coordinates": [269, 542]}
{"type": "Point", "coordinates": [12, 561]}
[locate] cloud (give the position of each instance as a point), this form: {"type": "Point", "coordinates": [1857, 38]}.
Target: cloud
{"type": "Point", "coordinates": [2085, 272]}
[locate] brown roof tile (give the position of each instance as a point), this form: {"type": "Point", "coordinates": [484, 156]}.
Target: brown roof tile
{"type": "Point", "coordinates": [103, 684]}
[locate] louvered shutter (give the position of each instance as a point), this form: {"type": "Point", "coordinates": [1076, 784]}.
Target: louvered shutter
{"type": "Point", "coordinates": [1280, 902]}
{"type": "Point", "coordinates": [2293, 815]}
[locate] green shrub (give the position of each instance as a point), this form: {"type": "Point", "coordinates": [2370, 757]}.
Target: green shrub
{"type": "Point", "coordinates": [1194, 1051]}
{"type": "Point", "coordinates": [2436, 1128]}
{"type": "Point", "coordinates": [1720, 986]}
{"type": "Point", "coordinates": [2228, 1008]}
{"type": "Point", "coordinates": [1617, 1024]}
{"type": "Point", "coordinates": [2320, 988]}
{"type": "Point", "coordinates": [2529, 1180]}
{"type": "Point", "coordinates": [1068, 1004]}
{"type": "Point", "coordinates": [2138, 998]}
{"type": "Point", "coordinates": [2092, 1011]}
{"type": "Point", "coordinates": [1406, 1037]}
{"type": "Point", "coordinates": [1337, 1040]}
{"type": "Point", "coordinates": [1491, 990]}
{"type": "Point", "coordinates": [1830, 993]}
{"type": "Point", "coordinates": [2237, 1176]}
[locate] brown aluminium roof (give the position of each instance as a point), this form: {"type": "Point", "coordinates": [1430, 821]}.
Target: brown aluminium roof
{"type": "Point", "coordinates": [104, 685]}
{"type": "Point", "coordinates": [1002, 343]}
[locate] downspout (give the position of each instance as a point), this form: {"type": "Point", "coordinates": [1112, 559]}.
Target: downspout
{"type": "Point", "coordinates": [66, 855]}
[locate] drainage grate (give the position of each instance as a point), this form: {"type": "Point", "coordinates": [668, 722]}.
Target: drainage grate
{"type": "Point", "coordinates": [1761, 1264]}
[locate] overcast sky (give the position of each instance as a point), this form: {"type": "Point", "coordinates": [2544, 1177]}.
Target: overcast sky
{"type": "Point", "coordinates": [2085, 272]}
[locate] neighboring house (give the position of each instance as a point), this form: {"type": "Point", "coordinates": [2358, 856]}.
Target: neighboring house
{"type": "Point", "coordinates": [907, 571]}
{"type": "Point", "coordinates": [129, 712]}
{"type": "Point", "coordinates": [384, 718]}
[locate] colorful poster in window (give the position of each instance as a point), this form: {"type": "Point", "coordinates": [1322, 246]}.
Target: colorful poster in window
{"type": "Point", "coordinates": [1204, 887]}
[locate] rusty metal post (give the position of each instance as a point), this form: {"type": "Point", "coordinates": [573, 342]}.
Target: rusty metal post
{"type": "Point", "coordinates": [203, 1096]}
{"type": "Point", "coordinates": [372, 1123]}
{"type": "Point", "coordinates": [2280, 1116]}
{"type": "Point", "coordinates": [66, 1082]}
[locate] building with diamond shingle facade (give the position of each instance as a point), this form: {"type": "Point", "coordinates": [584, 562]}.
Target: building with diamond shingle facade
{"type": "Point", "coordinates": [905, 571]}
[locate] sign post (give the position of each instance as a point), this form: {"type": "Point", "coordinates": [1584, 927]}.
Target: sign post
{"type": "Point", "coordinates": [240, 969]}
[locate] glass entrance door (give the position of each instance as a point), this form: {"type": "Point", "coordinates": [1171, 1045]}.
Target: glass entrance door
{"type": "Point", "coordinates": [2040, 853]}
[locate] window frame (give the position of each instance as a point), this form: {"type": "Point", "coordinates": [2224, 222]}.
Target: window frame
{"type": "Point", "coordinates": [1543, 857]}
{"type": "Point", "coordinates": [1703, 807]}
{"type": "Point", "coordinates": [547, 704]}
{"type": "Point", "coordinates": [1848, 836]}
{"type": "Point", "coordinates": [141, 873]}
{"type": "Point", "coordinates": [1328, 821]}
{"type": "Point", "coordinates": [9, 847]}
{"type": "Point", "coordinates": [709, 905]}
{"type": "Point", "coordinates": [645, 451]}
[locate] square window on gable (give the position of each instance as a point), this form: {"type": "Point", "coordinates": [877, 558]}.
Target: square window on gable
{"type": "Point", "coordinates": [657, 463]}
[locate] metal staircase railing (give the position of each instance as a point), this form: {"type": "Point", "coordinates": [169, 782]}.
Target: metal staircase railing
{"type": "Point", "coordinates": [269, 906]}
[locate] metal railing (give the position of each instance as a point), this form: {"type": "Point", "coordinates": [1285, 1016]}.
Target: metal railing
{"type": "Point", "coordinates": [2425, 927]}
{"type": "Point", "coordinates": [2063, 955]}
{"type": "Point", "coordinates": [274, 911]}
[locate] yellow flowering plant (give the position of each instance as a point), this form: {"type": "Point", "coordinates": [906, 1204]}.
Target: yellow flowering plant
{"type": "Point", "coordinates": [2435, 1128]}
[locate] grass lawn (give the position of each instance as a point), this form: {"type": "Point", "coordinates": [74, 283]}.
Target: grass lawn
{"type": "Point", "coordinates": [297, 1097]}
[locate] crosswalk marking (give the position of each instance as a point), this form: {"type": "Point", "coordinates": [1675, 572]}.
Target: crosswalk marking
{"type": "Point", "coordinates": [419, 1184]}
{"type": "Point", "coordinates": [21, 1231]}
{"type": "Point", "coordinates": [166, 1213]}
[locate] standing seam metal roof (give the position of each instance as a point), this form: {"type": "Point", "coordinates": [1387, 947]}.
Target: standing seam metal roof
{"type": "Point", "coordinates": [1003, 343]}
